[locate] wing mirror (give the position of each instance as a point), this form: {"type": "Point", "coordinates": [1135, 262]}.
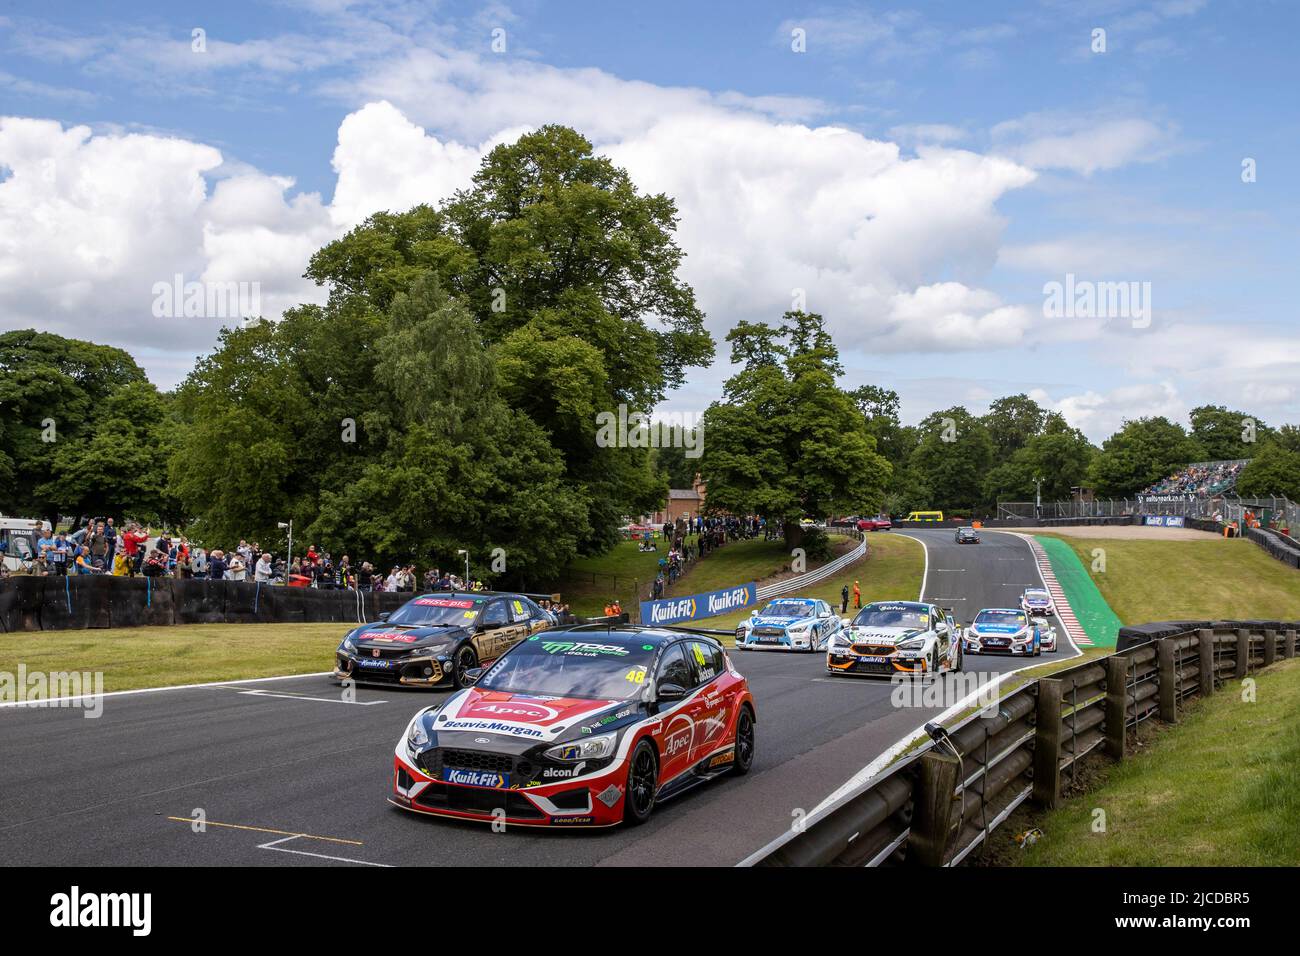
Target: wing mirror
{"type": "Point", "coordinates": [384, 616]}
{"type": "Point", "coordinates": [670, 692]}
{"type": "Point", "coordinates": [472, 675]}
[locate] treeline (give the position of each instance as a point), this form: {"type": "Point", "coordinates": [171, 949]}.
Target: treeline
{"type": "Point", "coordinates": [446, 396]}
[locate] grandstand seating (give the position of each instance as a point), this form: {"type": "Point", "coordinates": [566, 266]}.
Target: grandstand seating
{"type": "Point", "coordinates": [1202, 478]}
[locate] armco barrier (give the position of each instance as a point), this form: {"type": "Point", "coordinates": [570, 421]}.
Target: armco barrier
{"type": "Point", "coordinates": [29, 603]}
{"type": "Point", "coordinates": [939, 803]}
{"type": "Point", "coordinates": [817, 574]}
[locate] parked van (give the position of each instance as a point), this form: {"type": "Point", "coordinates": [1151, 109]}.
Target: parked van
{"type": "Point", "coordinates": [19, 537]}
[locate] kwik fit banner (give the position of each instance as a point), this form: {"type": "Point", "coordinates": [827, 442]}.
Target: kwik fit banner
{"type": "Point", "coordinates": [696, 606]}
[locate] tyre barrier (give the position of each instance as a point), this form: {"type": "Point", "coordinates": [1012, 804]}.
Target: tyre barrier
{"type": "Point", "coordinates": [1277, 545]}
{"type": "Point", "coordinates": [938, 804]}
{"type": "Point", "coordinates": [29, 603]}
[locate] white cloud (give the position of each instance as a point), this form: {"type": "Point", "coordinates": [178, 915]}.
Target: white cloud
{"type": "Point", "coordinates": [1083, 144]}
{"type": "Point", "coordinates": [1099, 414]}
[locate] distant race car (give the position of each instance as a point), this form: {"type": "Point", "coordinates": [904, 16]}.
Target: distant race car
{"type": "Point", "coordinates": [896, 637]}
{"type": "Point", "coordinates": [1037, 601]}
{"type": "Point", "coordinates": [789, 624]}
{"type": "Point", "coordinates": [967, 535]}
{"type": "Point", "coordinates": [1003, 630]}
{"type": "Point", "coordinates": [434, 639]}
{"type": "Point", "coordinates": [878, 523]}
{"type": "Point", "coordinates": [580, 726]}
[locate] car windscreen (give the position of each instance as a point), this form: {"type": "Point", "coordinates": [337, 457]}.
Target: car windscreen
{"type": "Point", "coordinates": [571, 666]}
{"type": "Point", "coordinates": [1036, 595]}
{"type": "Point", "coordinates": [1000, 617]}
{"type": "Point", "coordinates": [892, 615]}
{"type": "Point", "coordinates": [787, 609]}
{"type": "Point", "coordinates": [426, 611]}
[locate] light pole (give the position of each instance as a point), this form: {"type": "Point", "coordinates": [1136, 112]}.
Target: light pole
{"type": "Point", "coordinates": [466, 553]}
{"type": "Point", "coordinates": [288, 563]}
{"type": "Point", "coordinates": [1038, 497]}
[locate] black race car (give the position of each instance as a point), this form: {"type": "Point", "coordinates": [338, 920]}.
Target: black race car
{"type": "Point", "coordinates": [967, 535]}
{"type": "Point", "coordinates": [435, 638]}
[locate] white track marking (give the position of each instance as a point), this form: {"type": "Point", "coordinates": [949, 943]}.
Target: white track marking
{"type": "Point", "coordinates": [324, 700]}
{"type": "Point", "coordinates": [159, 690]}
{"type": "Point", "coordinates": [274, 845]}
{"type": "Point", "coordinates": [925, 572]}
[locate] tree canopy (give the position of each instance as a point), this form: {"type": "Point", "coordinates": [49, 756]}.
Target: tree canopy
{"type": "Point", "coordinates": [786, 441]}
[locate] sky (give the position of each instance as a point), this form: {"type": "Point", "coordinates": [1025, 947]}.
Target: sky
{"type": "Point", "coordinates": [927, 176]}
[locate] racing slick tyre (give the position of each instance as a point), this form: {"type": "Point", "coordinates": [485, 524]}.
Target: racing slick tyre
{"type": "Point", "coordinates": [465, 660]}
{"type": "Point", "coordinates": [933, 666]}
{"type": "Point", "coordinates": [744, 743]}
{"type": "Point", "coordinates": [961, 659]}
{"type": "Point", "coordinates": [642, 783]}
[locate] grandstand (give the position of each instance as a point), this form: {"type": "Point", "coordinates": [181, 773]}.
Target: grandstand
{"type": "Point", "coordinates": [1200, 479]}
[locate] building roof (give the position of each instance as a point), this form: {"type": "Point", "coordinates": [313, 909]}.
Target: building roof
{"type": "Point", "coordinates": [683, 493]}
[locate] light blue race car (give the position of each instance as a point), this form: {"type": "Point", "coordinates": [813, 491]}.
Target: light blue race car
{"type": "Point", "coordinates": [1004, 630]}
{"type": "Point", "coordinates": [789, 624]}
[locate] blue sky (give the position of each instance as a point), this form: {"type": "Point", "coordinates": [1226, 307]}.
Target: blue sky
{"type": "Point", "coordinates": [920, 171]}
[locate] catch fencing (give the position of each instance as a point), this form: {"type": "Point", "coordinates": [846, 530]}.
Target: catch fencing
{"type": "Point", "coordinates": [938, 804]}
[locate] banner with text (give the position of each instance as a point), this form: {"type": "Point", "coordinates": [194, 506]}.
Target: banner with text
{"type": "Point", "coordinates": [697, 606]}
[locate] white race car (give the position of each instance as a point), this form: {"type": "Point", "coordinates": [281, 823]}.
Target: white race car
{"type": "Point", "coordinates": [896, 637]}
{"type": "Point", "coordinates": [1037, 601]}
{"type": "Point", "coordinates": [1005, 630]}
{"type": "Point", "coordinates": [789, 624]}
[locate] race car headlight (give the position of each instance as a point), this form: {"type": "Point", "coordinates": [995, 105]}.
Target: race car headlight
{"type": "Point", "coordinates": [416, 736]}
{"type": "Point", "coordinates": [591, 748]}
{"type": "Point", "coordinates": [913, 644]}
{"type": "Point", "coordinates": [348, 645]}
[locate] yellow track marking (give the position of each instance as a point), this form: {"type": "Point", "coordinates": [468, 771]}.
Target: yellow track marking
{"type": "Point", "coordinates": [238, 826]}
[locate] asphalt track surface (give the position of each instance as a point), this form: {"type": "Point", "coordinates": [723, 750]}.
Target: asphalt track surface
{"type": "Point", "coordinates": [286, 773]}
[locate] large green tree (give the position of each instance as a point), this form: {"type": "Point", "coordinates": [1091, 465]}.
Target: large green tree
{"type": "Point", "coordinates": [458, 468]}
{"type": "Point", "coordinates": [1011, 422]}
{"type": "Point", "coordinates": [1275, 470]}
{"type": "Point", "coordinates": [1141, 453]}
{"type": "Point", "coordinates": [82, 431]}
{"type": "Point", "coordinates": [570, 274]}
{"type": "Point", "coordinates": [786, 441]}
{"type": "Point", "coordinates": [1224, 434]}
{"type": "Point", "coordinates": [952, 456]}
{"type": "Point", "coordinates": [1058, 455]}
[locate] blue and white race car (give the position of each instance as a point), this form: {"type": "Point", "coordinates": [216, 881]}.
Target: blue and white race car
{"type": "Point", "coordinates": [789, 624]}
{"type": "Point", "coordinates": [1004, 630]}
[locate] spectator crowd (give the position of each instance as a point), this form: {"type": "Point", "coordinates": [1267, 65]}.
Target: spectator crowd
{"type": "Point", "coordinates": [1203, 479]}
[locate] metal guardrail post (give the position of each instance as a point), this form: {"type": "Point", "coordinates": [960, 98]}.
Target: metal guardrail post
{"type": "Point", "coordinates": [1167, 680]}
{"type": "Point", "coordinates": [1117, 701]}
{"type": "Point", "coordinates": [1243, 653]}
{"type": "Point", "coordinates": [1205, 639]}
{"type": "Point", "coordinates": [1047, 744]}
{"type": "Point", "coordinates": [934, 806]}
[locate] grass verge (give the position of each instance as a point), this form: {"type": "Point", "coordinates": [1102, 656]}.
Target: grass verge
{"type": "Point", "coordinates": [892, 571]}
{"type": "Point", "coordinates": [132, 658]}
{"type": "Point", "coordinates": [1220, 579]}
{"type": "Point", "coordinates": [1221, 788]}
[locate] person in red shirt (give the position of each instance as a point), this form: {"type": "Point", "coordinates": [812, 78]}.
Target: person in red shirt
{"type": "Point", "coordinates": [133, 543]}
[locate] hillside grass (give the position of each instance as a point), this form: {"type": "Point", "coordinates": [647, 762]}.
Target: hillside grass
{"type": "Point", "coordinates": [1224, 578]}
{"type": "Point", "coordinates": [132, 658]}
{"type": "Point", "coordinates": [1221, 788]}
{"type": "Point", "coordinates": [892, 571]}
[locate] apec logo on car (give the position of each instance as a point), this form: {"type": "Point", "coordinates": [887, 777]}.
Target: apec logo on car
{"type": "Point", "coordinates": [513, 711]}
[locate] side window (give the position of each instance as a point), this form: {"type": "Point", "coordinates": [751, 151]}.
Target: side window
{"type": "Point", "coordinates": [674, 669]}
{"type": "Point", "coordinates": [708, 660]}
{"type": "Point", "coordinates": [497, 613]}
{"type": "Point", "coordinates": [520, 612]}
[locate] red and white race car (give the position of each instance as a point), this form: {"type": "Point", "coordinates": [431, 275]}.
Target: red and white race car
{"type": "Point", "coordinates": [584, 726]}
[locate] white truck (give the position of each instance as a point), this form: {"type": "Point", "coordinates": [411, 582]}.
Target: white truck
{"type": "Point", "coordinates": [19, 537]}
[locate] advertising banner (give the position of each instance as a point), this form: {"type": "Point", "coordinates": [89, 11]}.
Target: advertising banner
{"type": "Point", "coordinates": [696, 606]}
